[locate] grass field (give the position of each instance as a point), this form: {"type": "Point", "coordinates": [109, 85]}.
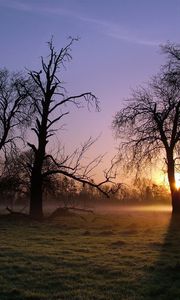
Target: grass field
{"type": "Point", "coordinates": [128, 255]}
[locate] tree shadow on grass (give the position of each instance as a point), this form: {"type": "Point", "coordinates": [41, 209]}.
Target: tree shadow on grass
{"type": "Point", "coordinates": [163, 280]}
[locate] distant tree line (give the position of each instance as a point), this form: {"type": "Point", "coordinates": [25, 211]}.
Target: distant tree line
{"type": "Point", "coordinates": [61, 191]}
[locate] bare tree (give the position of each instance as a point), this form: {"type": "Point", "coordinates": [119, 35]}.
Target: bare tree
{"type": "Point", "coordinates": [15, 108]}
{"type": "Point", "coordinates": [52, 106]}
{"type": "Point", "coordinates": [149, 126]}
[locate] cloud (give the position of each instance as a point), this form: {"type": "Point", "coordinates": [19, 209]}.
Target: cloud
{"type": "Point", "coordinates": [35, 7]}
{"type": "Point", "coordinates": [107, 28]}
{"type": "Point", "coordinates": [117, 32]}
{"type": "Point", "coordinates": [132, 38]}
{"type": "Point", "coordinates": [17, 5]}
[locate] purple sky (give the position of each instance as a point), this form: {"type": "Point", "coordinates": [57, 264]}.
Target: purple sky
{"type": "Point", "coordinates": [118, 50]}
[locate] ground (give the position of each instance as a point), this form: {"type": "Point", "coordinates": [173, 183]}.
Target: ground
{"type": "Point", "coordinates": [127, 255]}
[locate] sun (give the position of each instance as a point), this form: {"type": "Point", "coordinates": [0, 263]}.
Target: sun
{"type": "Point", "coordinates": [177, 179]}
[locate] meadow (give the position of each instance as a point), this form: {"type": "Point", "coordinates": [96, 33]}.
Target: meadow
{"type": "Point", "coordinates": [121, 255]}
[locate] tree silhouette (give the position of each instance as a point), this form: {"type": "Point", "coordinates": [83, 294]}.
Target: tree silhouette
{"type": "Point", "coordinates": [149, 126]}
{"type": "Point", "coordinates": [15, 106]}
{"type": "Point", "coordinates": [52, 105]}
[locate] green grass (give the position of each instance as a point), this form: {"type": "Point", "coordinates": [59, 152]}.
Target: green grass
{"type": "Point", "coordinates": [121, 256]}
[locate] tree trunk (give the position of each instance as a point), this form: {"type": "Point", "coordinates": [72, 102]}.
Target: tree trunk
{"type": "Point", "coordinates": [36, 189]}
{"type": "Point", "coordinates": [36, 198]}
{"type": "Point", "coordinates": [176, 202]}
{"type": "Point", "coordinates": [175, 193]}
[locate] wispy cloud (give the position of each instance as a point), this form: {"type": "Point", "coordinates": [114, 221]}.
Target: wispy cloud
{"type": "Point", "coordinates": [107, 28]}
{"type": "Point", "coordinates": [17, 5]}
{"type": "Point", "coordinates": [132, 38]}
{"type": "Point", "coordinates": [116, 31]}
{"type": "Point", "coordinates": [32, 7]}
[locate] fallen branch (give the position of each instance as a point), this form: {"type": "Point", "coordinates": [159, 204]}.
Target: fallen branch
{"type": "Point", "coordinates": [65, 211]}
{"type": "Point", "coordinates": [17, 213]}
{"type": "Point", "coordinates": [81, 209]}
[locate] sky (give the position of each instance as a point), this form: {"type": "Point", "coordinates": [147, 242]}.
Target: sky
{"type": "Point", "coordinates": [118, 49]}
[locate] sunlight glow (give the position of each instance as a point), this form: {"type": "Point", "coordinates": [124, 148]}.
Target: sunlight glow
{"type": "Point", "coordinates": [161, 178]}
{"type": "Point", "coordinates": [177, 178]}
